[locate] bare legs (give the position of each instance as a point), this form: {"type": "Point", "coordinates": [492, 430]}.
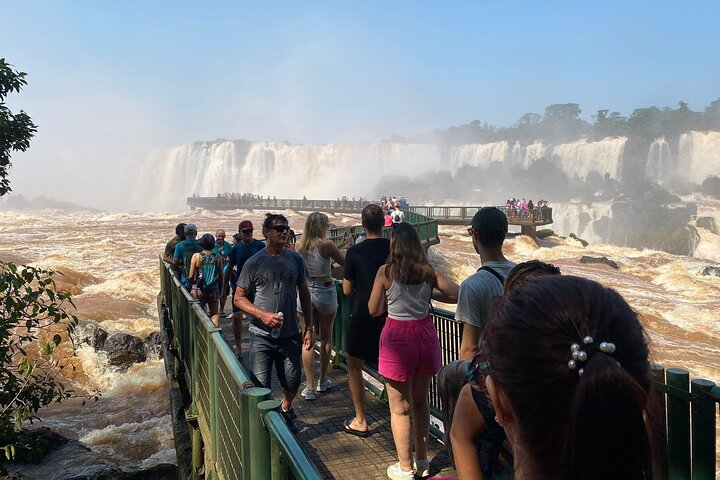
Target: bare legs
{"type": "Point", "coordinates": [408, 400]}
{"type": "Point", "coordinates": [357, 388]}
{"type": "Point", "coordinates": [323, 323]}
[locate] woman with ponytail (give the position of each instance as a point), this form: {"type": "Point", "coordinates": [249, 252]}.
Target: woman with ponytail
{"type": "Point", "coordinates": [569, 380]}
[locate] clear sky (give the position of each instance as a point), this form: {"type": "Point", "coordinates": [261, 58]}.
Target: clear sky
{"type": "Point", "coordinates": [110, 80]}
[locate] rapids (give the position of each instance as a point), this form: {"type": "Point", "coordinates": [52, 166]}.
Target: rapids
{"type": "Point", "coordinates": [110, 263]}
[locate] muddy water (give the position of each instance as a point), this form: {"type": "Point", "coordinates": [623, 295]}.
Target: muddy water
{"type": "Point", "coordinates": [110, 264]}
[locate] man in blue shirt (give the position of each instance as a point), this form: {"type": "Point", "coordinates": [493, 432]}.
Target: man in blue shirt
{"type": "Point", "coordinates": [184, 252]}
{"type": "Point", "coordinates": [240, 253]}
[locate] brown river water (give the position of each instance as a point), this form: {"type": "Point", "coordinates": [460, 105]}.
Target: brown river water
{"type": "Point", "coordinates": [110, 263]}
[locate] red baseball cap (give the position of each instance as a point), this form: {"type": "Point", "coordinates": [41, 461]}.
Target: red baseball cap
{"type": "Point", "coordinates": [245, 225]}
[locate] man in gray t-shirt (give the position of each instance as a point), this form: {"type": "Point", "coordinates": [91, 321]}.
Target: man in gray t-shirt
{"type": "Point", "coordinates": [488, 229]}
{"type": "Point", "coordinates": [267, 289]}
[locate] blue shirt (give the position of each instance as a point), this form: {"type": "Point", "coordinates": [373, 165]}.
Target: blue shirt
{"type": "Point", "coordinates": [240, 254]}
{"type": "Point", "coordinates": [179, 254]}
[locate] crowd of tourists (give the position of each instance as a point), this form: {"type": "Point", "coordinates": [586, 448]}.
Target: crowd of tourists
{"type": "Point", "coordinates": [526, 209]}
{"type": "Point", "coordinates": [552, 379]}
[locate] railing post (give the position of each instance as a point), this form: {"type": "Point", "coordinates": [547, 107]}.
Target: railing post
{"type": "Point", "coordinates": [251, 398]}
{"type": "Point", "coordinates": [678, 425]}
{"type": "Point", "coordinates": [703, 431]}
{"type": "Point", "coordinates": [212, 372]}
{"type": "Point", "coordinates": [262, 438]}
{"type": "Point", "coordinates": [659, 438]}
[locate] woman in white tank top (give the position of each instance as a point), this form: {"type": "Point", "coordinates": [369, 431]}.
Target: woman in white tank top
{"type": "Point", "coordinates": [319, 254]}
{"type": "Point", "coordinates": [409, 346]}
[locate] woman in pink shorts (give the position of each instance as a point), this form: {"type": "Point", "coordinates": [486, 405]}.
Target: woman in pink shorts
{"type": "Point", "coordinates": [409, 346]}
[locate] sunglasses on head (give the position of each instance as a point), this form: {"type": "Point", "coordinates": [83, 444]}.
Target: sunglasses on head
{"type": "Point", "coordinates": [280, 228]}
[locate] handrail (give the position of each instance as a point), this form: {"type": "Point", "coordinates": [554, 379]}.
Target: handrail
{"type": "Point", "coordinates": [226, 405]}
{"type": "Point", "coordinates": [297, 463]}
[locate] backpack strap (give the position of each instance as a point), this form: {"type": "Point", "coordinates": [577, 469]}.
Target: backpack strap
{"type": "Point", "coordinates": [494, 272]}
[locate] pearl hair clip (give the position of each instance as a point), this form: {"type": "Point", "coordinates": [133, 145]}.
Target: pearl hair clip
{"type": "Point", "coordinates": [579, 355]}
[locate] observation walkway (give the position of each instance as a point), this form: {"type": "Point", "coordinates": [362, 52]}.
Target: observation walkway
{"type": "Point", "coordinates": [235, 430]}
{"type": "Point", "coordinates": [447, 215]}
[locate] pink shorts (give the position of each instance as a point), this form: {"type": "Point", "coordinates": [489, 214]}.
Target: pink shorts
{"type": "Point", "coordinates": [408, 347]}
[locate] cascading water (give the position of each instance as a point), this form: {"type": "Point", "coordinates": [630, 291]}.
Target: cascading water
{"type": "Point", "coordinates": [659, 166]}
{"type": "Point", "coordinates": [579, 218]}
{"type": "Point", "coordinates": [582, 157]}
{"type": "Point", "coordinates": [699, 155]}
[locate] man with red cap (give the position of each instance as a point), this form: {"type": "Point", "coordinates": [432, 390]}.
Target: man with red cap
{"type": "Point", "coordinates": [240, 253]}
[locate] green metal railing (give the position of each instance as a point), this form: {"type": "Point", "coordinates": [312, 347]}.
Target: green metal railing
{"type": "Point", "coordinates": [237, 430]}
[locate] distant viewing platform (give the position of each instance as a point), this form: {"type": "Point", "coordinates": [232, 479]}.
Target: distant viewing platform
{"type": "Point", "coordinates": [528, 220]}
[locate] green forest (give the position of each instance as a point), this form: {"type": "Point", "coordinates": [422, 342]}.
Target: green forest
{"type": "Point", "coordinates": [562, 122]}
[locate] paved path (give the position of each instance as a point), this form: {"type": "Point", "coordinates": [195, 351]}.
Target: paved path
{"type": "Point", "coordinates": [336, 454]}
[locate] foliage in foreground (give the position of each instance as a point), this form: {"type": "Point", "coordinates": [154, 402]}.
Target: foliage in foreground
{"type": "Point", "coordinates": [32, 317]}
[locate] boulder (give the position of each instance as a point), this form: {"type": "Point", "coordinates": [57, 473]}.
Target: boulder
{"type": "Point", "coordinates": [158, 472]}
{"type": "Point", "coordinates": [124, 349]}
{"type": "Point", "coordinates": [605, 260]}
{"type": "Point", "coordinates": [33, 445]}
{"type": "Point", "coordinates": [90, 333]}
{"type": "Point", "coordinates": [575, 237]}
{"type": "Point", "coordinates": [707, 223]}
{"type": "Point", "coordinates": [710, 270]}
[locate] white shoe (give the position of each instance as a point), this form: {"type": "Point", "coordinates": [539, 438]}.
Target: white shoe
{"type": "Point", "coordinates": [308, 393]}
{"type": "Point", "coordinates": [422, 468]}
{"type": "Point", "coordinates": [394, 472]}
{"type": "Point", "coordinates": [324, 385]}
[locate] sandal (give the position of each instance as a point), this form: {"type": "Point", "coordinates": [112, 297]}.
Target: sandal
{"type": "Point", "coordinates": [348, 429]}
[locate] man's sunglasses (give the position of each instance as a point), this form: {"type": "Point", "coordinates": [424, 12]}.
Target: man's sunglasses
{"type": "Point", "coordinates": [247, 232]}
{"type": "Point", "coordinates": [280, 228]}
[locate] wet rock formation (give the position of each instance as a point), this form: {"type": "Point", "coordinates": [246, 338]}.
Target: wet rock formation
{"type": "Point", "coordinates": [605, 260]}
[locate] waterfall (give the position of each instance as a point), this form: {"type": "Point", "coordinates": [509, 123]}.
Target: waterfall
{"type": "Point", "coordinates": [659, 166]}
{"type": "Point", "coordinates": [582, 157]}
{"type": "Point", "coordinates": [274, 168]}
{"type": "Point", "coordinates": [699, 156]}
{"type": "Point", "coordinates": [478, 155]}
{"type": "Point", "coordinates": [281, 169]}
{"type": "Point", "coordinates": [579, 218]}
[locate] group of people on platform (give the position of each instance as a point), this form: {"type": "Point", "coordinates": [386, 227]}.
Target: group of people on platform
{"type": "Point", "coordinates": [552, 379]}
{"type": "Point", "coordinates": [522, 208]}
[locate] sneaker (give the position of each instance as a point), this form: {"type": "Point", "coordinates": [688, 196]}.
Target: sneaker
{"type": "Point", "coordinates": [394, 472]}
{"type": "Point", "coordinates": [422, 468]}
{"type": "Point", "coordinates": [308, 393]}
{"type": "Point", "coordinates": [290, 419]}
{"type": "Point", "coordinates": [324, 385]}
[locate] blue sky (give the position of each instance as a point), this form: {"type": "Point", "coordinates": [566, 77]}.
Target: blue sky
{"type": "Point", "coordinates": [110, 80]}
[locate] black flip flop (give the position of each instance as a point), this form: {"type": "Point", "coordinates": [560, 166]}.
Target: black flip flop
{"type": "Point", "coordinates": [352, 431]}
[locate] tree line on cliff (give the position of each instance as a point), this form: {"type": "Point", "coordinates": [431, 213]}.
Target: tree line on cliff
{"type": "Point", "coordinates": [561, 122]}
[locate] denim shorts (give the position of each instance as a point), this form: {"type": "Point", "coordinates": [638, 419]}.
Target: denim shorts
{"type": "Point", "coordinates": [284, 353]}
{"type": "Point", "coordinates": [324, 297]}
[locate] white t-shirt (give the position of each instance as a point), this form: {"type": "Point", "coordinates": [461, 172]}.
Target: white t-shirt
{"type": "Point", "coordinates": [477, 293]}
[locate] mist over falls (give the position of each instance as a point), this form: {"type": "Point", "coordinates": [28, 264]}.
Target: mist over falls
{"type": "Point", "coordinates": [612, 190]}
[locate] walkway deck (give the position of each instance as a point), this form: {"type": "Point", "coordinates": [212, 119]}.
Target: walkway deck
{"type": "Point", "coordinates": [336, 454]}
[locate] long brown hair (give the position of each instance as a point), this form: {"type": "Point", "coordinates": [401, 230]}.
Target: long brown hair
{"type": "Point", "coordinates": [593, 424]}
{"type": "Point", "coordinates": [408, 262]}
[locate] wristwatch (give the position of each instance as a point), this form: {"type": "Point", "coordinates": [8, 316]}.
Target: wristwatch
{"type": "Point", "coordinates": [311, 328]}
